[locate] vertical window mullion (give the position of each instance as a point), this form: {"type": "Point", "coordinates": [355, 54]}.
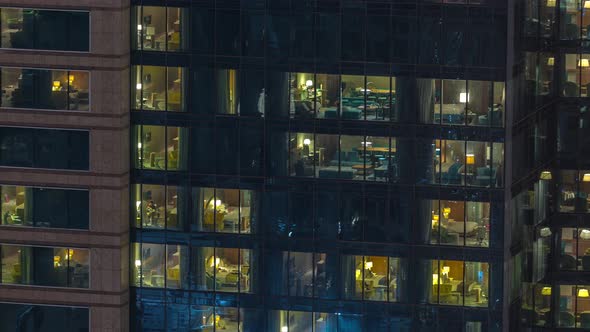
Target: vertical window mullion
{"type": "Point", "coordinates": [467, 104]}
{"type": "Point", "coordinates": [464, 223]}
{"type": "Point", "coordinates": [464, 283]}
{"type": "Point", "coordinates": [167, 78]}
{"type": "Point", "coordinates": [239, 211]}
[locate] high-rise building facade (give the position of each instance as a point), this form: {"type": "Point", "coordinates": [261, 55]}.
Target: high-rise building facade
{"type": "Point", "coordinates": [64, 166]}
{"type": "Point", "coordinates": [294, 165]}
{"type": "Point", "coordinates": [549, 226]}
{"type": "Point", "coordinates": [319, 165]}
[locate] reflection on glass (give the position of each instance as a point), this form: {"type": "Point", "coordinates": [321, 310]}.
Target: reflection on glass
{"type": "Point", "coordinates": [159, 28]}
{"type": "Point", "coordinates": [573, 22]}
{"type": "Point", "coordinates": [159, 88]}
{"type": "Point", "coordinates": [228, 97]}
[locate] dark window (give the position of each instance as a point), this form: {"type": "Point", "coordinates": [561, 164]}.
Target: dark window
{"type": "Point", "coordinates": [45, 29]}
{"type": "Point", "coordinates": [44, 148]}
{"type": "Point", "coordinates": [42, 318]}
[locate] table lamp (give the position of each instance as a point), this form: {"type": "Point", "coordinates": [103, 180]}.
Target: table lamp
{"type": "Point", "coordinates": [546, 291]}
{"type": "Point", "coordinates": [545, 175]}
{"type": "Point", "coordinates": [586, 177]}
{"type": "Point", "coordinates": [446, 212]}
{"type": "Point", "coordinates": [470, 161]}
{"type": "Point", "coordinates": [463, 97]}
{"type": "Point", "coordinates": [583, 292]}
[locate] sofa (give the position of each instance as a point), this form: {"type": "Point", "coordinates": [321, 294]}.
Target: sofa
{"type": "Point", "coordinates": [348, 113]}
{"type": "Point", "coordinates": [452, 175]}
{"type": "Point", "coordinates": [333, 173]}
{"type": "Point", "coordinates": [347, 159]}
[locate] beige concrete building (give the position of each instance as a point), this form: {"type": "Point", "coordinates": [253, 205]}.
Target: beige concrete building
{"type": "Point", "coordinates": [76, 86]}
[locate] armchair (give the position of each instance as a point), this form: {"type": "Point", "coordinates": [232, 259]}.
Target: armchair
{"type": "Point", "coordinates": [452, 175]}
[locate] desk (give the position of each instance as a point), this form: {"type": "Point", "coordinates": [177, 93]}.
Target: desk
{"type": "Point", "coordinates": [380, 149]}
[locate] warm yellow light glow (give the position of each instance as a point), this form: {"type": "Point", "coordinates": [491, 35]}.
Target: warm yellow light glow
{"type": "Point", "coordinates": [138, 86]}
{"type": "Point", "coordinates": [368, 265]}
{"type": "Point", "coordinates": [214, 262]}
{"type": "Point", "coordinates": [551, 3]}
{"type": "Point", "coordinates": [583, 292]}
{"type": "Point", "coordinates": [463, 97]}
{"type": "Point", "coordinates": [584, 63]}
{"type": "Point", "coordinates": [309, 83]}
{"type": "Point", "coordinates": [550, 61]}
{"type": "Point", "coordinates": [137, 263]}
{"type": "Point", "coordinates": [71, 79]}
{"type": "Point", "coordinates": [357, 274]}
{"type": "Point", "coordinates": [586, 177]}
{"type": "Point", "coordinates": [56, 260]}
{"type": "Point", "coordinates": [284, 329]}
{"type": "Point", "coordinates": [69, 254]}
{"type": "Point", "coordinates": [546, 175]}
{"type": "Point", "coordinates": [446, 270]}
{"type": "Point", "coordinates": [435, 278]}
{"type": "Point", "coordinates": [306, 141]}
{"type": "Point", "coordinates": [546, 291]}
{"type": "Point", "coordinates": [56, 86]}
{"type": "Point", "coordinates": [435, 217]}
{"type": "Point", "coordinates": [139, 27]}
{"type": "Point", "coordinates": [470, 159]}
{"type": "Point", "coordinates": [446, 212]}
{"type": "Point", "coordinates": [586, 4]}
